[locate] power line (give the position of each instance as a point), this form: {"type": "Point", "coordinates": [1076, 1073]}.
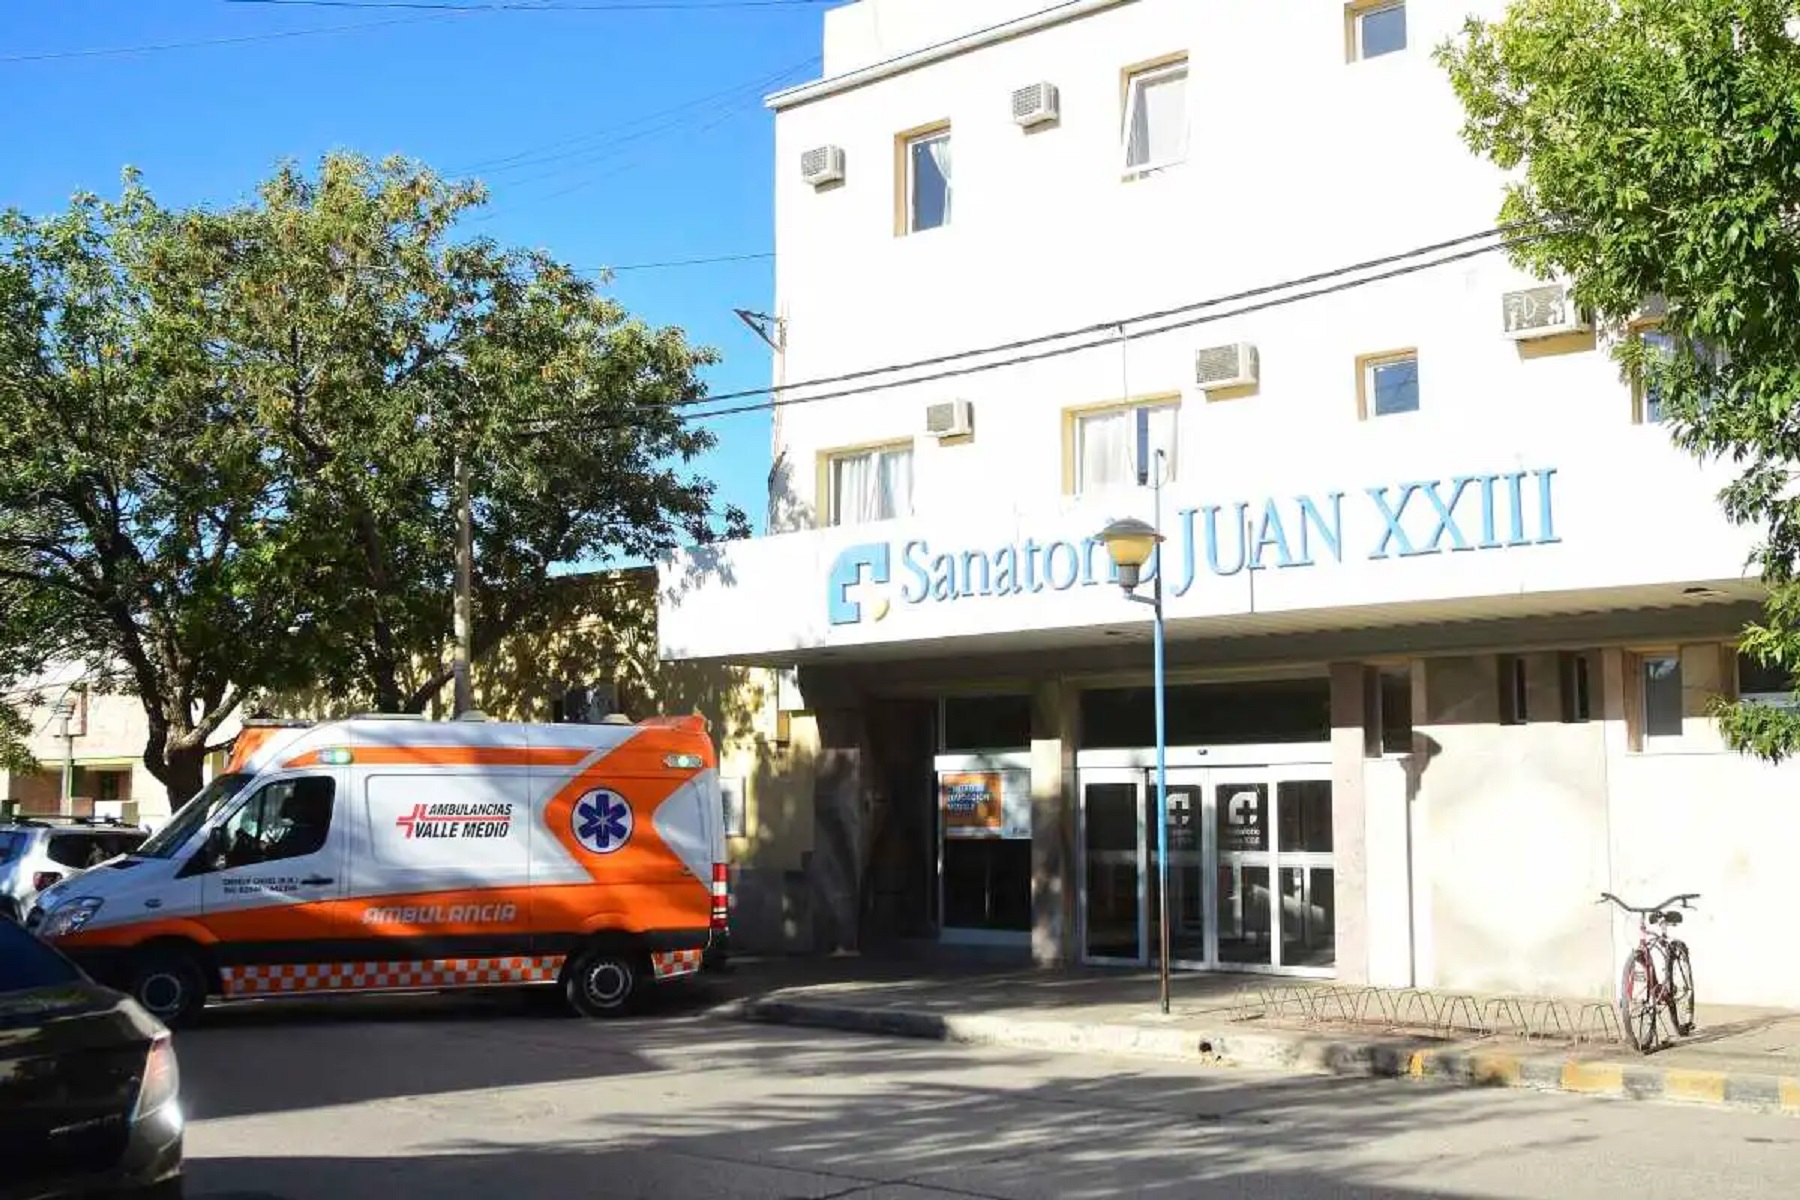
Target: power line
{"type": "Point", "coordinates": [621, 6]}
{"type": "Point", "coordinates": [679, 262]}
{"type": "Point", "coordinates": [1109, 342]}
{"type": "Point", "coordinates": [536, 155]}
{"type": "Point", "coordinates": [1108, 327]}
{"type": "Point", "coordinates": [239, 40]}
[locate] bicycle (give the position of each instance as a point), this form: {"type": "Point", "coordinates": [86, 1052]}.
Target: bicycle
{"type": "Point", "coordinates": [1643, 991]}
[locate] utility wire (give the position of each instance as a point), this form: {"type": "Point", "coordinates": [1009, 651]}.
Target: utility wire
{"type": "Point", "coordinates": [239, 40]}
{"type": "Point", "coordinates": [1109, 327]}
{"type": "Point", "coordinates": [539, 154]}
{"type": "Point", "coordinates": [1337, 283]}
{"type": "Point", "coordinates": [676, 262]}
{"type": "Point", "coordinates": [621, 6]}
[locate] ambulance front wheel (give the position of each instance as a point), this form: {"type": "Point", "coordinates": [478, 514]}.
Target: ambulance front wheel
{"type": "Point", "coordinates": [170, 985]}
{"type": "Point", "coordinates": [602, 983]}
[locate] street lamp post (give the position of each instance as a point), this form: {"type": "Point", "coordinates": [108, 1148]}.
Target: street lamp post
{"type": "Point", "coordinates": [1130, 543]}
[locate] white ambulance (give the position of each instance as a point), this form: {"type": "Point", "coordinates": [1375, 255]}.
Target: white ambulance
{"type": "Point", "coordinates": [386, 853]}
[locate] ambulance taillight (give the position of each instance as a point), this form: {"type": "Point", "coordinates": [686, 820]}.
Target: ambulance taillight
{"type": "Point", "coordinates": [721, 896]}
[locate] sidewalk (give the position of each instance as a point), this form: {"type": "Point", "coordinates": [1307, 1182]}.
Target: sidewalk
{"type": "Point", "coordinates": [1738, 1057]}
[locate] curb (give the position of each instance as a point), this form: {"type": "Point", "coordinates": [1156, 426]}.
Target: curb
{"type": "Point", "coordinates": [1384, 1058]}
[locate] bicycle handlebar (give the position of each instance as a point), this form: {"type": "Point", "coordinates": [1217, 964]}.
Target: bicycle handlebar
{"type": "Point", "coordinates": [1681, 899]}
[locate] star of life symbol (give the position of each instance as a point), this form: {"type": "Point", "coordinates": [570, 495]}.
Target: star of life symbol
{"type": "Point", "coordinates": [870, 597]}
{"type": "Point", "coordinates": [602, 821]}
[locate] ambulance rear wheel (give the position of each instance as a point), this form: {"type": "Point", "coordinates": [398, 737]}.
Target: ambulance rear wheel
{"type": "Point", "coordinates": [602, 983]}
{"type": "Point", "coordinates": [170, 985]}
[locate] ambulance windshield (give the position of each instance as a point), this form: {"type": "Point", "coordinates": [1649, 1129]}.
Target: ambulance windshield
{"type": "Point", "coordinates": [195, 813]}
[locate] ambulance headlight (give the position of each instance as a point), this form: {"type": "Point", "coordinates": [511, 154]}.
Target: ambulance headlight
{"type": "Point", "coordinates": [69, 917]}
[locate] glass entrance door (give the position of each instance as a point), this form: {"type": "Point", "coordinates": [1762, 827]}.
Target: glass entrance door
{"type": "Point", "coordinates": [1112, 876]}
{"type": "Point", "coordinates": [1250, 868]}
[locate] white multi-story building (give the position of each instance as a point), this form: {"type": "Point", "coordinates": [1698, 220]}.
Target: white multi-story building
{"type": "Point", "coordinates": [1445, 605]}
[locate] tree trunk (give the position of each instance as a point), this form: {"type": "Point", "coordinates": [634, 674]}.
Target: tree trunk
{"type": "Point", "coordinates": [181, 773]}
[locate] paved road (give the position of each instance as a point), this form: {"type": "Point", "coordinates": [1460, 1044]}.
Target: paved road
{"type": "Point", "coordinates": [451, 1100]}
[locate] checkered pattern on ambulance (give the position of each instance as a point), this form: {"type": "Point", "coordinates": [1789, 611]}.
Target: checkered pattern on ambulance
{"type": "Point", "coordinates": [389, 976]}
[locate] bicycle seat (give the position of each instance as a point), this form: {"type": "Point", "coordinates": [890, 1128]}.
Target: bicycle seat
{"type": "Point", "coordinates": [1666, 918]}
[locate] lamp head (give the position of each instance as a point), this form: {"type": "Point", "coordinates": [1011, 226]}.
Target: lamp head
{"type": "Point", "coordinates": [1130, 543]}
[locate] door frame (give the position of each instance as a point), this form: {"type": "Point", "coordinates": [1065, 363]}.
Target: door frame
{"type": "Point", "coordinates": [997, 760]}
{"type": "Point", "coordinates": [1118, 776]}
{"type": "Point", "coordinates": [1201, 766]}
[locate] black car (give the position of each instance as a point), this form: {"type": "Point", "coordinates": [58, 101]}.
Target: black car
{"type": "Point", "coordinates": [89, 1088]}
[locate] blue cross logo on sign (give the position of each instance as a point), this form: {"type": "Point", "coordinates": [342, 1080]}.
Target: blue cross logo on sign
{"type": "Point", "coordinates": [602, 821]}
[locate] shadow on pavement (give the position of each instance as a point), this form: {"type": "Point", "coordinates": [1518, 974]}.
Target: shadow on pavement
{"type": "Point", "coordinates": [680, 1107]}
{"type": "Point", "coordinates": [262, 1057]}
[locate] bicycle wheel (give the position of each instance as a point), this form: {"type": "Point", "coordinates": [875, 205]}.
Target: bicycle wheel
{"type": "Point", "coordinates": [1638, 1002]}
{"type": "Point", "coordinates": [1681, 989]}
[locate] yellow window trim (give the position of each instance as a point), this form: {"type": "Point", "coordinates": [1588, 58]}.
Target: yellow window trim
{"type": "Point", "coordinates": [903, 171]}
{"type": "Point", "coordinates": [1364, 364]}
{"type": "Point", "coordinates": [1354, 10]}
{"type": "Point", "coordinates": [1071, 416]}
{"type": "Point", "coordinates": [824, 502]}
{"type": "Point", "coordinates": [1126, 76]}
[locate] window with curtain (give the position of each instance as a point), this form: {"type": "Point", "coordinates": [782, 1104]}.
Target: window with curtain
{"type": "Point", "coordinates": [1106, 445]}
{"type": "Point", "coordinates": [928, 182]}
{"type": "Point", "coordinates": [871, 485]}
{"type": "Point", "coordinates": [1156, 118]}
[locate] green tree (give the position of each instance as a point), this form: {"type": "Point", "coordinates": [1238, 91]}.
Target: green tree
{"type": "Point", "coordinates": [233, 464]}
{"type": "Point", "coordinates": [1652, 152]}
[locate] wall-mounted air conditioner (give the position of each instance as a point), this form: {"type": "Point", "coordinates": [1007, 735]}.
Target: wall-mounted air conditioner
{"type": "Point", "coordinates": [822, 165]}
{"type": "Point", "coordinates": [1036, 105]}
{"type": "Point", "coordinates": [1541, 312]}
{"type": "Point", "coordinates": [1230, 366]}
{"type": "Point", "coordinates": [953, 418]}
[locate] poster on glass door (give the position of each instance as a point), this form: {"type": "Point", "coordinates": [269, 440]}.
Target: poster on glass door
{"type": "Point", "coordinates": [985, 804]}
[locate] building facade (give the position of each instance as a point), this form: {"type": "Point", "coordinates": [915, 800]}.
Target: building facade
{"type": "Point", "coordinates": [99, 749]}
{"type": "Point", "coordinates": [1446, 608]}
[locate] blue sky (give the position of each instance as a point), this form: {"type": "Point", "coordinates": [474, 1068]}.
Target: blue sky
{"type": "Point", "coordinates": [606, 138]}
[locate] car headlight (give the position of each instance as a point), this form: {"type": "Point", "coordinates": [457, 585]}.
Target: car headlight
{"type": "Point", "coordinates": [69, 917]}
{"type": "Point", "coordinates": [161, 1085]}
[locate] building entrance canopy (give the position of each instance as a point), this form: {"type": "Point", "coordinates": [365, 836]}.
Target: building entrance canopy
{"type": "Point", "coordinates": [1242, 539]}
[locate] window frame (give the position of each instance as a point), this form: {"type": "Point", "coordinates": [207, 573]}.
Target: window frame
{"type": "Point", "coordinates": [905, 191]}
{"type": "Point", "coordinates": [1638, 330]}
{"type": "Point", "coordinates": [1641, 660]}
{"type": "Point", "coordinates": [1131, 81]}
{"type": "Point", "coordinates": [198, 862]}
{"type": "Point", "coordinates": [1366, 365]}
{"type": "Point", "coordinates": [1355, 13]}
{"type": "Point", "coordinates": [1774, 699]}
{"type": "Point", "coordinates": [826, 498]}
{"type": "Point", "coordinates": [1072, 436]}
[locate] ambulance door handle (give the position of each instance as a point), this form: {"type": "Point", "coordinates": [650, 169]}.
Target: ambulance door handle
{"type": "Point", "coordinates": [316, 880]}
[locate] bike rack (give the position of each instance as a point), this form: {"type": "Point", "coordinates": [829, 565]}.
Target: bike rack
{"type": "Point", "coordinates": [1604, 1017]}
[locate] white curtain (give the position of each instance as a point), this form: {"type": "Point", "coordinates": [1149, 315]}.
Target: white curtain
{"type": "Point", "coordinates": [1107, 446]}
{"type": "Point", "coordinates": [931, 182]}
{"type": "Point", "coordinates": [1159, 126]}
{"type": "Point", "coordinates": [872, 486]}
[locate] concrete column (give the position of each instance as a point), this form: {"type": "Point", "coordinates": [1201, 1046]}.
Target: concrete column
{"type": "Point", "coordinates": [1054, 887]}
{"type": "Point", "coordinates": [1349, 819]}
{"type": "Point", "coordinates": [842, 787]}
